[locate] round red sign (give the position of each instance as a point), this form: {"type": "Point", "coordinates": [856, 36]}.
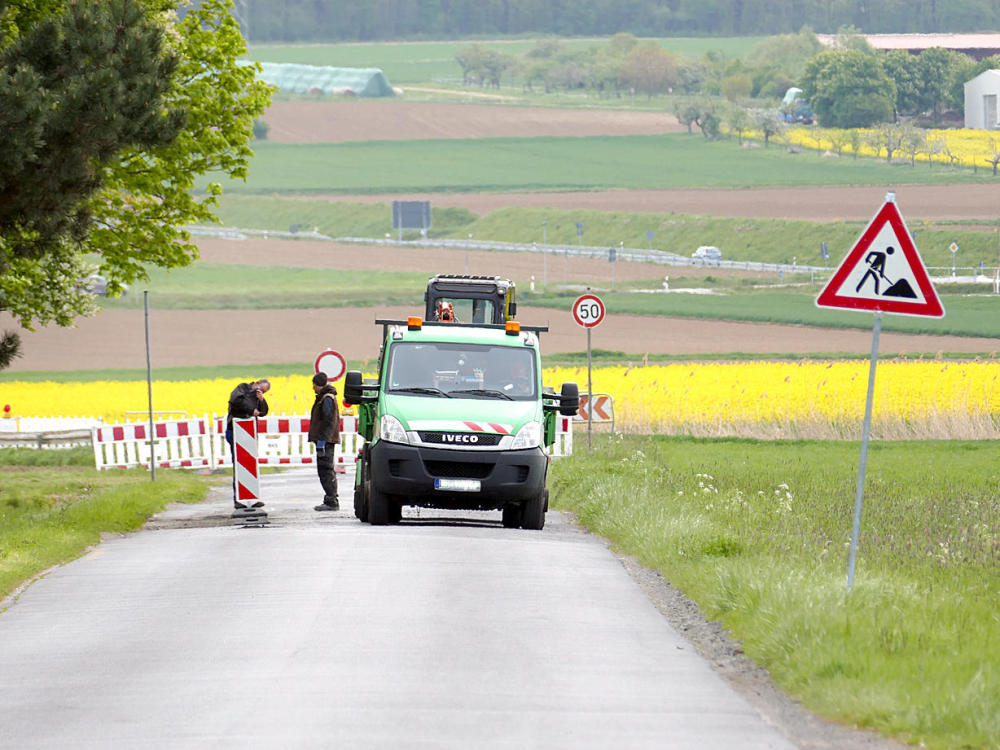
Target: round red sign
{"type": "Point", "coordinates": [588, 310]}
{"type": "Point", "coordinates": [332, 363]}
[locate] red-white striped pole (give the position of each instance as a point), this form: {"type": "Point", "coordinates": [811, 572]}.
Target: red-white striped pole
{"type": "Point", "coordinates": [245, 461]}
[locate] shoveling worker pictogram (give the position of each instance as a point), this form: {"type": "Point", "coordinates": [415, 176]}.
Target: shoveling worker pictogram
{"type": "Point", "coordinates": [876, 272]}
{"type": "Point", "coordinates": [883, 272]}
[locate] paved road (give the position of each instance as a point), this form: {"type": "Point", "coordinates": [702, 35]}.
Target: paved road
{"type": "Point", "coordinates": [319, 631]}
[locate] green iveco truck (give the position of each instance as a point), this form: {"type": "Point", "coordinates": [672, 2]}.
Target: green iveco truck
{"type": "Point", "coordinates": [457, 419]}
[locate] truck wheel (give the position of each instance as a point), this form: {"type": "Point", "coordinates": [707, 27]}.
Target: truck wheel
{"type": "Point", "coordinates": [533, 511]}
{"type": "Point", "coordinates": [379, 512]}
{"type": "Point", "coordinates": [511, 516]}
{"type": "Point", "coordinates": [395, 512]}
{"type": "Point", "coordinates": [359, 504]}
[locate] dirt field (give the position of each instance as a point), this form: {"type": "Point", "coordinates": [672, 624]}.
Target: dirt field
{"type": "Point", "coordinates": [359, 120]}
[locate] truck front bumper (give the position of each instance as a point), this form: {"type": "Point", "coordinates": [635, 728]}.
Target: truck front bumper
{"type": "Point", "coordinates": [425, 476]}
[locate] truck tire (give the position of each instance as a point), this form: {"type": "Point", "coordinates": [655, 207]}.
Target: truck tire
{"type": "Point", "coordinates": [379, 512]}
{"type": "Point", "coordinates": [511, 516]}
{"type": "Point", "coordinates": [359, 504]}
{"type": "Point", "coordinates": [533, 511]}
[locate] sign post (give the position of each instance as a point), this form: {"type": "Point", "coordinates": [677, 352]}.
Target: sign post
{"type": "Point", "coordinates": [883, 273]}
{"type": "Point", "coordinates": [588, 311]}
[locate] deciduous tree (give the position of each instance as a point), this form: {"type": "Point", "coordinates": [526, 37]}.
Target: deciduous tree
{"type": "Point", "coordinates": [848, 89]}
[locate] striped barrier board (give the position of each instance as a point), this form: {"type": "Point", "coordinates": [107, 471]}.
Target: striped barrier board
{"type": "Point", "coordinates": [281, 440]}
{"type": "Point", "coordinates": [176, 443]}
{"type": "Point", "coordinates": [247, 474]}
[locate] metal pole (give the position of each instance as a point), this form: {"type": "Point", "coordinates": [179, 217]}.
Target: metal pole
{"type": "Point", "coordinates": [863, 464]}
{"type": "Point", "coordinates": [149, 388]}
{"type": "Point", "coordinates": [590, 400]}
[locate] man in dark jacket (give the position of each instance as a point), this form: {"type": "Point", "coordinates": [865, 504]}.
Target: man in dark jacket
{"type": "Point", "coordinates": [246, 401]}
{"type": "Point", "coordinates": [324, 430]}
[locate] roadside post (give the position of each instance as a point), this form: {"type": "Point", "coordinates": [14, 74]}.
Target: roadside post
{"type": "Point", "coordinates": [246, 473]}
{"type": "Point", "coordinates": [883, 273]}
{"type": "Point", "coordinates": [954, 256]}
{"type": "Point", "coordinates": [149, 391]}
{"type": "Point", "coordinates": [588, 311]}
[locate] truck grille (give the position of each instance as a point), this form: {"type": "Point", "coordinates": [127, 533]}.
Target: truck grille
{"type": "Point", "coordinates": [464, 439]}
{"type": "Point", "coordinates": [458, 469]}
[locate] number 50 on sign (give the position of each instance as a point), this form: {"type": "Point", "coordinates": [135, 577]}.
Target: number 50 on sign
{"type": "Point", "coordinates": [588, 310]}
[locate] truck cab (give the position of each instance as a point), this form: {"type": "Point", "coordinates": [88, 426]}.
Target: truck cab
{"type": "Point", "coordinates": [457, 419]}
{"type": "Point", "coordinates": [469, 299]}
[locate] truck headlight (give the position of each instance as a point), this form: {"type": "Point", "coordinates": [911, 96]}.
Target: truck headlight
{"type": "Point", "coordinates": [529, 436]}
{"type": "Point", "coordinates": [391, 430]}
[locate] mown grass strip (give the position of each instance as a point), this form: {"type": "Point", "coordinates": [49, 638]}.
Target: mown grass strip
{"type": "Point", "coordinates": [50, 516]}
{"type": "Point", "coordinates": [672, 160]}
{"type": "Point", "coordinates": [743, 239]}
{"type": "Point", "coordinates": [757, 532]}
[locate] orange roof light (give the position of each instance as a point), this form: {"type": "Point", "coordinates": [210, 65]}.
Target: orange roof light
{"type": "Point", "coordinates": [512, 327]}
{"type": "Point", "coordinates": [414, 323]}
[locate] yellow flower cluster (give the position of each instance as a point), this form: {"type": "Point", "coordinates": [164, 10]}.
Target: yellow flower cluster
{"type": "Point", "coordinates": [764, 399]}
{"type": "Point", "coordinates": [802, 399]}
{"type": "Point", "coordinates": [963, 147]}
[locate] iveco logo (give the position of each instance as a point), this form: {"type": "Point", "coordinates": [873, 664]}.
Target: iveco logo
{"type": "Point", "coordinates": [459, 438]}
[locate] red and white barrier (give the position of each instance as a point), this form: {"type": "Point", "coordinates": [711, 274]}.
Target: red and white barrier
{"type": "Point", "coordinates": [247, 475]}
{"type": "Point", "coordinates": [281, 441]}
{"type": "Point", "coordinates": [177, 443]}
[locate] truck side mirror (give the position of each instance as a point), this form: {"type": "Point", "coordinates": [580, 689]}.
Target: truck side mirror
{"type": "Point", "coordinates": [354, 389]}
{"type": "Point", "coordinates": [569, 400]}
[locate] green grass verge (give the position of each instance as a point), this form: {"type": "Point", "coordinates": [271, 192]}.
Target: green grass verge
{"type": "Point", "coordinates": [745, 239]}
{"type": "Point", "coordinates": [673, 160]}
{"type": "Point", "coordinates": [420, 62]}
{"type": "Point", "coordinates": [757, 533]}
{"type": "Point", "coordinates": [209, 286]}
{"type": "Point", "coordinates": [81, 455]}
{"type": "Point", "coordinates": [965, 316]}
{"type": "Point", "coordinates": [50, 516]}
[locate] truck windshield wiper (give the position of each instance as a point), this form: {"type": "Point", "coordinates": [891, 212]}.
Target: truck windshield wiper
{"type": "Point", "coordinates": [423, 390]}
{"type": "Point", "coordinates": [483, 392]}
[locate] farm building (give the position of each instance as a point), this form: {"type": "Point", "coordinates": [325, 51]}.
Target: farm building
{"type": "Point", "coordinates": [321, 79]}
{"type": "Point", "coordinates": [981, 96]}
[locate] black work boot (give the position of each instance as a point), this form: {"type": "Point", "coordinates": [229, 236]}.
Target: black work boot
{"type": "Point", "coordinates": [328, 504]}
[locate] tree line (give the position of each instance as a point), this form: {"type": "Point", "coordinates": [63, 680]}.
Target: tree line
{"type": "Point", "coordinates": [848, 85]}
{"type": "Point", "coordinates": [350, 20]}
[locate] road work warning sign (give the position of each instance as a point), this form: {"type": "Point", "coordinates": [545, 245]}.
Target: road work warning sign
{"type": "Point", "coordinates": [883, 273]}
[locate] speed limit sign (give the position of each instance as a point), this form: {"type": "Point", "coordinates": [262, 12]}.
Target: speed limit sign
{"type": "Point", "coordinates": [588, 310]}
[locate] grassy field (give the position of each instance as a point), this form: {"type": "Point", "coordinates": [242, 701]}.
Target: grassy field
{"type": "Point", "coordinates": [52, 515]}
{"type": "Point", "coordinates": [756, 533]}
{"type": "Point", "coordinates": [672, 160]}
{"type": "Point", "coordinates": [208, 286]}
{"type": "Point", "coordinates": [427, 62]}
{"type": "Point", "coordinates": [756, 240]}
{"type": "Point", "coordinates": [966, 315]}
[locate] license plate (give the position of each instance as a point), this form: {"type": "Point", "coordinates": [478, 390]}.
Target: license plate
{"type": "Point", "coordinates": [458, 485]}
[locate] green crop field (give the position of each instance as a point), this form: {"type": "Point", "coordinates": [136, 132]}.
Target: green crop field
{"type": "Point", "coordinates": [209, 286]}
{"type": "Point", "coordinates": [673, 160]}
{"type": "Point", "coordinates": [744, 239]}
{"type": "Point", "coordinates": [425, 62]}
{"type": "Point", "coordinates": [757, 532]}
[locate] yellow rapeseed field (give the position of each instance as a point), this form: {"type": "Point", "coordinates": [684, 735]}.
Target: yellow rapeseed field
{"type": "Point", "coordinates": [821, 399]}
{"type": "Point", "coordinates": [964, 146]}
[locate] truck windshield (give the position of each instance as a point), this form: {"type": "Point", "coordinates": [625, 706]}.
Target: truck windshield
{"type": "Point", "coordinates": [462, 371]}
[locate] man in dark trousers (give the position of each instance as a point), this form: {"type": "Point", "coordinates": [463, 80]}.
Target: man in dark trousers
{"type": "Point", "coordinates": [324, 430]}
{"type": "Point", "coordinates": [246, 401]}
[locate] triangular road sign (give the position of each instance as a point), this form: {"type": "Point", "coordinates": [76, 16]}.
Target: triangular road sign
{"type": "Point", "coordinates": [883, 273]}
